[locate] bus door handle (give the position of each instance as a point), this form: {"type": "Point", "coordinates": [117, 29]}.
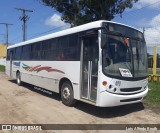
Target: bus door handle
{"type": "Point", "coordinates": [89, 66]}
{"type": "Point", "coordinates": [89, 77]}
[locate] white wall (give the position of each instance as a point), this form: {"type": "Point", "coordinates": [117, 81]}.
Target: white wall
{"type": "Point", "coordinates": [3, 61]}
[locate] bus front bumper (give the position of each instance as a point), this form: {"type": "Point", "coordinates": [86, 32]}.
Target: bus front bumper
{"type": "Point", "coordinates": [107, 99]}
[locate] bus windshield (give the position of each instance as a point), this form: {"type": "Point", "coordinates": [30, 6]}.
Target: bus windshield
{"type": "Point", "coordinates": [124, 57]}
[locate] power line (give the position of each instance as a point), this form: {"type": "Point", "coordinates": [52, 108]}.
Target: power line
{"type": "Point", "coordinates": [142, 7]}
{"type": "Point", "coordinates": [24, 18]}
{"type": "Point", "coordinates": [16, 40]}
{"type": "Point", "coordinates": [38, 34]}
{"type": "Point", "coordinates": [125, 13]}
{"type": "Point", "coordinates": [34, 35]}
{"type": "Point", "coordinates": [2, 34]}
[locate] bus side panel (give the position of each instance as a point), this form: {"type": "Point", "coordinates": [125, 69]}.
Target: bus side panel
{"type": "Point", "coordinates": [15, 67]}
{"type": "Point", "coordinates": [47, 74]}
{"type": "Point", "coordinates": [8, 68]}
{"type": "Point", "coordinates": [40, 81]}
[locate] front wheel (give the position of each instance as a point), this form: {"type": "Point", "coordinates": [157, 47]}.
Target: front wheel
{"type": "Point", "coordinates": [67, 94]}
{"type": "Point", "coordinates": [19, 82]}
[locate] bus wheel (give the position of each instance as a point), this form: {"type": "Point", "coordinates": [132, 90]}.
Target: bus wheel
{"type": "Point", "coordinates": [19, 82]}
{"type": "Point", "coordinates": [67, 95]}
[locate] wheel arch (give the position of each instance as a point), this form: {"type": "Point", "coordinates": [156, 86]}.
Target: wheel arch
{"type": "Point", "coordinates": [17, 72]}
{"type": "Point", "coordinates": [18, 78]}
{"type": "Point", "coordinates": [62, 80]}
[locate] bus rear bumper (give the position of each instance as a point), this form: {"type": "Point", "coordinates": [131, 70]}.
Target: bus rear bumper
{"type": "Point", "coordinates": [107, 99]}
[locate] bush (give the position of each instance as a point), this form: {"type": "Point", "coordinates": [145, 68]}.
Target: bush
{"type": "Point", "coordinates": [2, 68]}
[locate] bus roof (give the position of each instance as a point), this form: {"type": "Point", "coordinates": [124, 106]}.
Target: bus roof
{"type": "Point", "coordinates": [88, 26]}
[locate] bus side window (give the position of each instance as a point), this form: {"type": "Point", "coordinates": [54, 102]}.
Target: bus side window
{"type": "Point", "coordinates": [17, 55]}
{"type": "Point", "coordinates": [61, 56]}
{"type": "Point", "coordinates": [51, 50]}
{"type": "Point", "coordinates": [26, 52]}
{"type": "Point", "coordinates": [72, 51]}
{"type": "Point", "coordinates": [62, 47]}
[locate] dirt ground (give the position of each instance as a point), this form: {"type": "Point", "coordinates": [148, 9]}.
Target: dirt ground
{"type": "Point", "coordinates": [25, 105]}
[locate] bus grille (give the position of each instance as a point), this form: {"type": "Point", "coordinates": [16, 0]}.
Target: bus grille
{"type": "Point", "coordinates": [131, 100]}
{"type": "Point", "coordinates": [130, 89]}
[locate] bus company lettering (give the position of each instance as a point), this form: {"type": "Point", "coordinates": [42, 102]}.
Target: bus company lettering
{"type": "Point", "coordinates": [17, 64]}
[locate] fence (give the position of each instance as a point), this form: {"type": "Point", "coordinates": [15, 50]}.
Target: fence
{"type": "Point", "coordinates": [153, 63]}
{"type": "Point", "coordinates": [3, 61]}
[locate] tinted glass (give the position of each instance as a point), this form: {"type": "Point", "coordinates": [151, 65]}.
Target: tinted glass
{"type": "Point", "coordinates": [126, 31]}
{"type": "Point", "coordinates": [64, 48]}
{"type": "Point", "coordinates": [17, 55]}
{"type": "Point", "coordinates": [124, 60]}
{"type": "Point", "coordinates": [26, 52]}
{"type": "Point", "coordinates": [116, 56]}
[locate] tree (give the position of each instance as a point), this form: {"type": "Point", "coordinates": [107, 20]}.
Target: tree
{"type": "Point", "coordinates": [77, 12]}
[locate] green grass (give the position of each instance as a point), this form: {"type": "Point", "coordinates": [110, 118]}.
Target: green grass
{"type": "Point", "coordinates": [153, 98]}
{"type": "Point", "coordinates": [2, 68]}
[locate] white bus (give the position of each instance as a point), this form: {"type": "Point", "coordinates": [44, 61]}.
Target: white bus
{"type": "Point", "coordinates": [102, 63]}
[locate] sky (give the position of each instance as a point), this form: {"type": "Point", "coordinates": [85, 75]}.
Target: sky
{"type": "Point", "coordinates": [44, 20]}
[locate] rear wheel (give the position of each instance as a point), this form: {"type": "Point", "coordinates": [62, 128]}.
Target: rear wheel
{"type": "Point", "coordinates": [19, 82]}
{"type": "Point", "coordinates": [67, 94]}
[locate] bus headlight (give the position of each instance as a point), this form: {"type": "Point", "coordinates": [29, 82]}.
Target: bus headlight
{"type": "Point", "coordinates": [145, 87]}
{"type": "Point", "coordinates": [112, 88]}
{"type": "Point", "coordinates": [115, 89]}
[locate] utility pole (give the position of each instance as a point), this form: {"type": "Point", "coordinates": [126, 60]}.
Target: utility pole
{"type": "Point", "coordinates": [24, 18]}
{"type": "Point", "coordinates": [6, 24]}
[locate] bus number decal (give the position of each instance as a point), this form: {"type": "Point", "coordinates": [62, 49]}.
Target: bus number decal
{"type": "Point", "coordinates": [118, 83]}
{"type": "Point", "coordinates": [125, 72]}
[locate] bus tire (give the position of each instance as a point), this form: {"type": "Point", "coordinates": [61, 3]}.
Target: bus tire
{"type": "Point", "coordinates": [67, 94]}
{"type": "Point", "coordinates": [18, 78]}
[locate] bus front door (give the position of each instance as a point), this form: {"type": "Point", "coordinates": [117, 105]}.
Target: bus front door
{"type": "Point", "coordinates": [11, 59]}
{"type": "Point", "coordinates": [89, 68]}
